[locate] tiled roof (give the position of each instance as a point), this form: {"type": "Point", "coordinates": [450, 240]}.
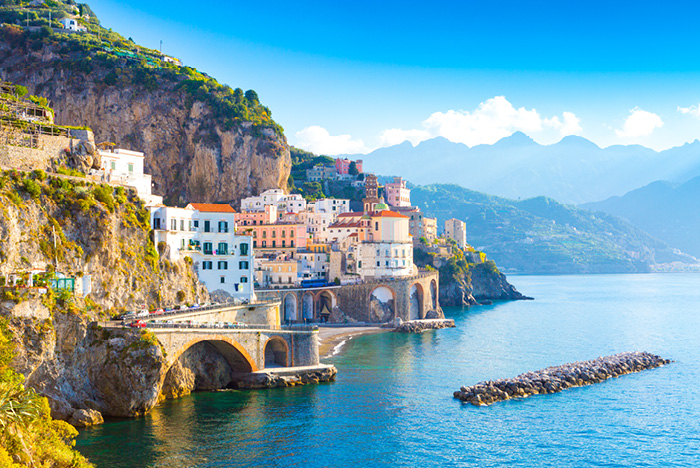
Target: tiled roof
{"type": "Point", "coordinates": [387, 214]}
{"type": "Point", "coordinates": [213, 207]}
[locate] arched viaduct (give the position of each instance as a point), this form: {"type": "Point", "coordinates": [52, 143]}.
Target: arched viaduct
{"type": "Point", "coordinates": [373, 301]}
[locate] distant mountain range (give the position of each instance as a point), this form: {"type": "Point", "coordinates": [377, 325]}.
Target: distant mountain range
{"type": "Point", "coordinates": [669, 211]}
{"type": "Point", "coordinates": [542, 236]}
{"type": "Point", "coordinates": [575, 170]}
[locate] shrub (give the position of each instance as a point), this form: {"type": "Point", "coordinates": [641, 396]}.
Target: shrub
{"type": "Point", "coordinates": [32, 188]}
{"type": "Point", "coordinates": [103, 194]}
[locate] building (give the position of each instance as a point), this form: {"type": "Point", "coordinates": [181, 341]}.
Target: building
{"type": "Point", "coordinates": [330, 205]}
{"type": "Point", "coordinates": [456, 230]}
{"type": "Point", "coordinates": [312, 265]}
{"type": "Point", "coordinates": [206, 233]}
{"type": "Point", "coordinates": [342, 166]}
{"type": "Point", "coordinates": [72, 24]}
{"type": "Point", "coordinates": [276, 236]}
{"type": "Point", "coordinates": [285, 203]}
{"type": "Point", "coordinates": [371, 199]}
{"type": "Point", "coordinates": [378, 243]}
{"type": "Point", "coordinates": [420, 226]}
{"type": "Point", "coordinates": [126, 167]}
{"type": "Point", "coordinates": [397, 194]}
{"type": "Point", "coordinates": [250, 218]}
{"type": "Point", "coordinates": [320, 173]}
{"type": "Point", "coordinates": [270, 273]}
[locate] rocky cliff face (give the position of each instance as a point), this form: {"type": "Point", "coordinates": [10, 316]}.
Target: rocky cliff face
{"type": "Point", "coordinates": [190, 153]}
{"type": "Point", "coordinates": [81, 229]}
{"type": "Point", "coordinates": [467, 279]}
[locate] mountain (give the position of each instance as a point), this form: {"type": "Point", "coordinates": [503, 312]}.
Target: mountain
{"type": "Point", "coordinates": [542, 236]}
{"type": "Point", "coordinates": [574, 170]}
{"type": "Point", "coordinates": [669, 211]}
{"type": "Point", "coordinates": [203, 141]}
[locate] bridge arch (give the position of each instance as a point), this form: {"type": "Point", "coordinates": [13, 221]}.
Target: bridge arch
{"type": "Point", "coordinates": [382, 304]}
{"type": "Point", "coordinates": [307, 306]}
{"type": "Point", "coordinates": [290, 307]}
{"type": "Point", "coordinates": [276, 352]}
{"type": "Point", "coordinates": [235, 354]}
{"type": "Point", "coordinates": [416, 301]}
{"type": "Point", "coordinates": [434, 293]}
{"type": "Point", "coordinates": [325, 301]}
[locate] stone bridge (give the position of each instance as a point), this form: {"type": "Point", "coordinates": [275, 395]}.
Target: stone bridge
{"type": "Point", "coordinates": [245, 350]}
{"type": "Point", "coordinates": [373, 301]}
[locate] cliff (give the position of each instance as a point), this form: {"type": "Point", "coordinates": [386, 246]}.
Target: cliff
{"type": "Point", "coordinates": [202, 141]}
{"type": "Point", "coordinates": [64, 224]}
{"type": "Point", "coordinates": [466, 277]}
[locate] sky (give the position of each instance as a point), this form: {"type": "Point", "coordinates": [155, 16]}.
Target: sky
{"type": "Point", "coordinates": [350, 77]}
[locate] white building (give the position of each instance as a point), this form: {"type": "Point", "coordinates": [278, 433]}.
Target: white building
{"type": "Point", "coordinates": [330, 205]}
{"type": "Point", "coordinates": [311, 265]}
{"type": "Point", "coordinates": [72, 24]}
{"type": "Point", "coordinates": [206, 233]}
{"type": "Point", "coordinates": [126, 167]}
{"type": "Point", "coordinates": [456, 230]}
{"type": "Point", "coordinates": [293, 203]}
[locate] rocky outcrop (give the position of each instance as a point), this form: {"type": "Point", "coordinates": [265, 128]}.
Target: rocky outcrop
{"type": "Point", "coordinates": [191, 154]}
{"type": "Point", "coordinates": [86, 418]}
{"type": "Point", "coordinates": [488, 285]}
{"type": "Point", "coordinates": [419, 326]}
{"type": "Point", "coordinates": [256, 380]}
{"type": "Point", "coordinates": [558, 378]}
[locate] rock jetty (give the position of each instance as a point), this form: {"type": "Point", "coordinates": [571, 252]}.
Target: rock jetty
{"type": "Point", "coordinates": [418, 326]}
{"type": "Point", "coordinates": [557, 378]}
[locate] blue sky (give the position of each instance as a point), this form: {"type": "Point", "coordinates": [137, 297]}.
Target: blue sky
{"type": "Point", "coordinates": [353, 76]}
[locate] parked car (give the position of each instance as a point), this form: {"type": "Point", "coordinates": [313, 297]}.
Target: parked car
{"type": "Point", "coordinates": [138, 324]}
{"type": "Point", "coordinates": [128, 316]}
{"type": "Point", "coordinates": [143, 313]}
{"type": "Point", "coordinates": [157, 312]}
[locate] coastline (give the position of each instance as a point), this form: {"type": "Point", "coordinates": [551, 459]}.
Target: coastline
{"type": "Point", "coordinates": [332, 339]}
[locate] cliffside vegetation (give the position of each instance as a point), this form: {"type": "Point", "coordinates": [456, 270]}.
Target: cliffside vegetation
{"type": "Point", "coordinates": [28, 435]}
{"type": "Point", "coordinates": [203, 141]}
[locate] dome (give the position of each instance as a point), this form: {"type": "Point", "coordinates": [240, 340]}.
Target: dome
{"type": "Point", "coordinates": [381, 207]}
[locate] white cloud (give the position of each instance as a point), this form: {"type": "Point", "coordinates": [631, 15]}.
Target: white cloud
{"type": "Point", "coordinates": [492, 120]}
{"type": "Point", "coordinates": [693, 110]}
{"type": "Point", "coordinates": [318, 140]}
{"type": "Point", "coordinates": [639, 123]}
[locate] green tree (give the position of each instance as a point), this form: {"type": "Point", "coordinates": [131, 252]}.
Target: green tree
{"type": "Point", "coordinates": [352, 170]}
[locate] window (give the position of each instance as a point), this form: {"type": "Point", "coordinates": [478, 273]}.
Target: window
{"type": "Point", "coordinates": [359, 264]}
{"type": "Point", "coordinates": [244, 249]}
{"type": "Point", "coordinates": [377, 262]}
{"type": "Point", "coordinates": [289, 268]}
{"type": "Point", "coordinates": [255, 245]}
{"type": "Point", "coordinates": [376, 226]}
{"type": "Point", "coordinates": [195, 223]}
{"type": "Point", "coordinates": [173, 224]}
{"type": "Point", "coordinates": [182, 224]}
{"type": "Point", "coordinates": [386, 263]}
{"type": "Point", "coordinates": [291, 234]}
{"type": "Point", "coordinates": [207, 248]}
{"type": "Point", "coordinates": [264, 234]}
{"type": "Point", "coordinates": [223, 279]}
{"type": "Point", "coordinates": [222, 249]}
{"type": "Point", "coordinates": [244, 279]}
{"type": "Point", "coordinates": [131, 168]}
{"type": "Point", "coordinates": [191, 225]}
{"type": "Point", "coordinates": [283, 232]}
{"type": "Point", "coordinates": [274, 233]}
{"type": "Point", "coordinates": [207, 226]}
{"type": "Point", "coordinates": [156, 223]}
{"type": "Point", "coordinates": [283, 243]}
{"type": "Point", "coordinates": [291, 243]}
{"type": "Point", "coordinates": [207, 265]}
{"type": "Point", "coordinates": [242, 265]}
{"type": "Point", "coordinates": [274, 243]}
{"type": "Point", "coordinates": [222, 265]}
{"type": "Point", "coordinates": [113, 165]}
{"type": "Point", "coordinates": [264, 243]}
{"type": "Point", "coordinates": [223, 226]}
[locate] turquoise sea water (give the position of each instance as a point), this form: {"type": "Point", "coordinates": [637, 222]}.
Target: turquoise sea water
{"type": "Point", "coordinates": [392, 403]}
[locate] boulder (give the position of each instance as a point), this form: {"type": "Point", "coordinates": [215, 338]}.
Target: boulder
{"type": "Point", "coordinates": [86, 418]}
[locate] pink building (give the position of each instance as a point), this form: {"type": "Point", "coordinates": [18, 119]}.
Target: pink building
{"type": "Point", "coordinates": [397, 194]}
{"type": "Point", "coordinates": [252, 218]}
{"type": "Point", "coordinates": [276, 236]}
{"type": "Point", "coordinates": [342, 166]}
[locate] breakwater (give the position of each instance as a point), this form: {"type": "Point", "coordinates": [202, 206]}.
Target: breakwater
{"type": "Point", "coordinates": [557, 378]}
{"type": "Point", "coordinates": [418, 326]}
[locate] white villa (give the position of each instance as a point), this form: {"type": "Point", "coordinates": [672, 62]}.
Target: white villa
{"type": "Point", "coordinates": [126, 167]}
{"type": "Point", "coordinates": [206, 233]}
{"type": "Point", "coordinates": [293, 203]}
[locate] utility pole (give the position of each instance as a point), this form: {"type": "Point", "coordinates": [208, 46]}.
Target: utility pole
{"type": "Point", "coordinates": [55, 248]}
{"type": "Point", "coordinates": [49, 18]}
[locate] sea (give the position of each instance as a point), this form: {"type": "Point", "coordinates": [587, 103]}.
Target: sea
{"type": "Point", "coordinates": [392, 404]}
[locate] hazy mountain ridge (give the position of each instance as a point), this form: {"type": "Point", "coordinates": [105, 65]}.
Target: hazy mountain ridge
{"type": "Point", "coordinates": [667, 210]}
{"type": "Point", "coordinates": [540, 235]}
{"type": "Point", "coordinates": [574, 170]}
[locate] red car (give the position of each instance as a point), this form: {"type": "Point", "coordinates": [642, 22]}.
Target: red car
{"type": "Point", "coordinates": [138, 324]}
{"type": "Point", "coordinates": [157, 312]}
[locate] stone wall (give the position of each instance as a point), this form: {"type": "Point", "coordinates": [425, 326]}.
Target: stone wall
{"type": "Point", "coordinates": [253, 314]}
